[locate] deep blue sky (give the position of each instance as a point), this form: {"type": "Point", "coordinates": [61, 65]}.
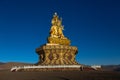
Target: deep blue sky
{"type": "Point", "coordinates": [91, 25]}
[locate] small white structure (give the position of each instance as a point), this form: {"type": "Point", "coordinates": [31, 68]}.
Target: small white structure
{"type": "Point", "coordinates": [96, 67]}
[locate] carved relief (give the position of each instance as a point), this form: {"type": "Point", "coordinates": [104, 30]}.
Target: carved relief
{"type": "Point", "coordinates": [58, 54]}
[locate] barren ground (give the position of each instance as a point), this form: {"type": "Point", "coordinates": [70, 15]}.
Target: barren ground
{"type": "Point", "coordinates": [58, 75]}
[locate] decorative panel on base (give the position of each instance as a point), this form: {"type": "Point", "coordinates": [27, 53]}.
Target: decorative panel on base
{"type": "Point", "coordinates": [57, 55]}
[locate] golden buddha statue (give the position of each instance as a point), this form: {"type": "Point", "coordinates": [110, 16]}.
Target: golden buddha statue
{"type": "Point", "coordinates": [56, 28]}
{"type": "Point", "coordinates": [56, 32]}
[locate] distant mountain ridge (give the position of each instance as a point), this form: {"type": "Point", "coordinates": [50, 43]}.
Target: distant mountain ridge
{"type": "Point", "coordinates": [1, 63]}
{"type": "Point", "coordinates": [111, 67]}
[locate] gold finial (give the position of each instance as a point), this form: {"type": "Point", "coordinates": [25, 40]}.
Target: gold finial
{"type": "Point", "coordinates": [55, 13]}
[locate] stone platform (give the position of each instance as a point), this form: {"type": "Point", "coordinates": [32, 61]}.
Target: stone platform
{"type": "Point", "coordinates": [53, 54]}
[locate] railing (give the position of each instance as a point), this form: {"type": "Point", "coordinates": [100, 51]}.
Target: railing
{"type": "Point", "coordinates": [16, 68]}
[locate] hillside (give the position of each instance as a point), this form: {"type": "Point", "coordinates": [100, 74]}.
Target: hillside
{"type": "Point", "coordinates": [111, 67]}
{"type": "Point", "coordinates": [11, 64]}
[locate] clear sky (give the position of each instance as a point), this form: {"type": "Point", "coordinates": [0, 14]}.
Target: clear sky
{"type": "Point", "coordinates": [91, 25]}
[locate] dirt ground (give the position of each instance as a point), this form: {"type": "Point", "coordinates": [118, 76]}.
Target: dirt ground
{"type": "Point", "coordinates": [58, 75]}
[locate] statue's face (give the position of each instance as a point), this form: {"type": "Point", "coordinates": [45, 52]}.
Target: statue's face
{"type": "Point", "coordinates": [55, 18]}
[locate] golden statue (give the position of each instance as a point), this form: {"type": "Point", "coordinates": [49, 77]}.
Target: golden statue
{"type": "Point", "coordinates": [56, 28]}
{"type": "Point", "coordinates": [56, 32]}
